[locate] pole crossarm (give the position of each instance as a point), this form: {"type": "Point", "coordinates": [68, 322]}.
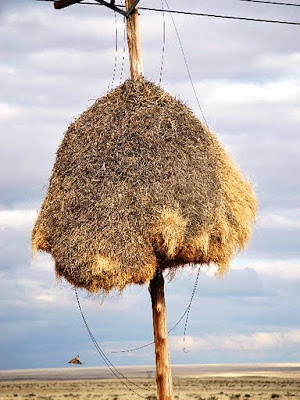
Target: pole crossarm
{"type": "Point", "coordinates": [58, 4]}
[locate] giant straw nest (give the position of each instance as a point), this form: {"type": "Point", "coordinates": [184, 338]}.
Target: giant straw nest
{"type": "Point", "coordinates": [140, 184]}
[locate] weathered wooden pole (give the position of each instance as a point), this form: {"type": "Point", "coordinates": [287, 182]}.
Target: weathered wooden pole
{"type": "Point", "coordinates": [156, 288]}
{"type": "Point", "coordinates": [134, 42]}
{"type": "Point", "coordinates": [163, 368]}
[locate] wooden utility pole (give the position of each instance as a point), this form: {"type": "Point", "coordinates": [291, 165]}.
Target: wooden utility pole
{"type": "Point", "coordinates": [134, 42]}
{"type": "Point", "coordinates": [156, 288]}
{"type": "Point", "coordinates": [163, 368]}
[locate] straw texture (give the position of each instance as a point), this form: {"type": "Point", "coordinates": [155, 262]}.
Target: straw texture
{"type": "Point", "coordinates": [140, 184]}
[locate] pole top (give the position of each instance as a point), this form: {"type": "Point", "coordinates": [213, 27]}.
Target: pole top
{"type": "Point", "coordinates": [59, 4]}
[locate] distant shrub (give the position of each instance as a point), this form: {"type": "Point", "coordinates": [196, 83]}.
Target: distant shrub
{"type": "Point", "coordinates": [275, 396]}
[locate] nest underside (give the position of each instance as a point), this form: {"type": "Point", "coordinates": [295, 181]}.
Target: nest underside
{"type": "Point", "coordinates": [140, 184]}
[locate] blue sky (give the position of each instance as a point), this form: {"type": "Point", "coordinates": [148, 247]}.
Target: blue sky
{"type": "Point", "coordinates": [54, 64]}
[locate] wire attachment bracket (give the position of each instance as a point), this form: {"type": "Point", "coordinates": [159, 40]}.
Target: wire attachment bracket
{"type": "Point", "coordinates": [58, 4]}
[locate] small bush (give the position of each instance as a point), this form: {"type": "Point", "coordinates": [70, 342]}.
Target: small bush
{"type": "Point", "coordinates": [151, 397]}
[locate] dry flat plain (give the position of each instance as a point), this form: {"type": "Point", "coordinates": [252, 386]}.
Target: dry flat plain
{"type": "Point", "coordinates": [244, 382]}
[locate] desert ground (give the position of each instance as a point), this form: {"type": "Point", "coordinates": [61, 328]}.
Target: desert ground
{"type": "Point", "coordinates": [190, 382]}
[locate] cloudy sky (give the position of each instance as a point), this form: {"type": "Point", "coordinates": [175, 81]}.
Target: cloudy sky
{"type": "Point", "coordinates": [54, 64]}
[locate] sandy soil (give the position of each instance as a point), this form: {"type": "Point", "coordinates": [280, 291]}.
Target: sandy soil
{"type": "Point", "coordinates": [241, 388]}
{"type": "Point", "coordinates": [243, 382]}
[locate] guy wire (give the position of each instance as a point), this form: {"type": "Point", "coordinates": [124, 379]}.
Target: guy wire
{"type": "Point", "coordinates": [187, 66]}
{"type": "Point", "coordinates": [110, 86]}
{"type": "Point", "coordinates": [164, 42]}
{"type": "Point", "coordinates": [109, 364]}
{"type": "Point", "coordinates": [124, 50]}
{"type": "Point", "coordinates": [187, 310]}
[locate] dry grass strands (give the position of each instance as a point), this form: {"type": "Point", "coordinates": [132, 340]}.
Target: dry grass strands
{"type": "Point", "coordinates": [139, 183]}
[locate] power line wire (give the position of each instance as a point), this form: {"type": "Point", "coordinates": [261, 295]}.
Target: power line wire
{"type": "Point", "coordinates": [276, 3]}
{"type": "Point", "coordinates": [198, 14]}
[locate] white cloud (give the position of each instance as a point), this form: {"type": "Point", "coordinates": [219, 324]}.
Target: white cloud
{"type": "Point", "coordinates": [8, 111]}
{"type": "Point", "coordinates": [286, 269]}
{"type": "Point", "coordinates": [241, 93]}
{"type": "Point", "coordinates": [17, 218]}
{"type": "Point", "coordinates": [68, 61]}
{"type": "Point", "coordinates": [251, 341]}
{"type": "Point", "coordinates": [284, 63]}
{"type": "Point", "coordinates": [280, 219]}
{"type": "Point", "coordinates": [32, 292]}
{"type": "Point", "coordinates": [247, 79]}
{"type": "Point", "coordinates": [42, 262]}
